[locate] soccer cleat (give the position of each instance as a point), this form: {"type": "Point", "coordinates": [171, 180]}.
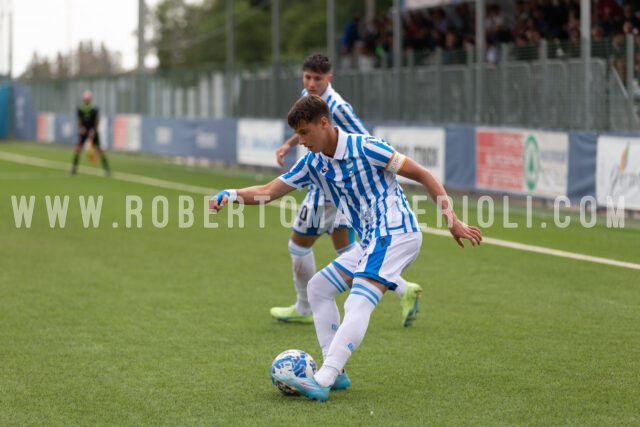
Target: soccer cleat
{"type": "Point", "coordinates": [342, 382]}
{"type": "Point", "coordinates": [305, 386]}
{"type": "Point", "coordinates": [290, 314]}
{"type": "Point", "coordinates": [409, 303]}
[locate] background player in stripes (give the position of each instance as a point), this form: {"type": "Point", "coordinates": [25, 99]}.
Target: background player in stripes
{"type": "Point", "coordinates": [317, 215]}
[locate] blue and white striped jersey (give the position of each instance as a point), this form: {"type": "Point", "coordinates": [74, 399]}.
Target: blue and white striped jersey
{"type": "Point", "coordinates": [361, 180]}
{"type": "Point", "coordinates": [342, 116]}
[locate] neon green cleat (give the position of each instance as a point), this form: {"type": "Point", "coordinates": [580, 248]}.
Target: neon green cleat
{"type": "Point", "coordinates": [290, 314]}
{"type": "Point", "coordinates": [409, 303]}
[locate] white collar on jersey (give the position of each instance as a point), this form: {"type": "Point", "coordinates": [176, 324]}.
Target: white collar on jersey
{"type": "Point", "coordinates": [341, 147]}
{"type": "Point", "coordinates": [327, 92]}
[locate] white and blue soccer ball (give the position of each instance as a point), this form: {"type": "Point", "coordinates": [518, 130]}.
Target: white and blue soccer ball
{"type": "Point", "coordinates": [295, 363]}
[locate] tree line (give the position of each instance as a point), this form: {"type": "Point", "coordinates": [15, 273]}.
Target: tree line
{"type": "Point", "coordinates": [194, 35]}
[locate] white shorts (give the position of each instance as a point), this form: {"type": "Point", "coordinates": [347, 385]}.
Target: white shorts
{"type": "Point", "coordinates": [315, 217]}
{"type": "Point", "coordinates": [383, 259]}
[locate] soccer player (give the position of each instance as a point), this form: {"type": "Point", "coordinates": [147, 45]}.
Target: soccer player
{"type": "Point", "coordinates": [88, 120]}
{"type": "Point", "coordinates": [316, 78]}
{"type": "Point", "coordinates": [358, 173]}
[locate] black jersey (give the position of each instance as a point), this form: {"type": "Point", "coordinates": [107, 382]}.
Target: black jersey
{"type": "Point", "coordinates": [88, 117]}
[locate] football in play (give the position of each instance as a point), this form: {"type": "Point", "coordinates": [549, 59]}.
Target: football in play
{"type": "Point", "coordinates": [295, 363]}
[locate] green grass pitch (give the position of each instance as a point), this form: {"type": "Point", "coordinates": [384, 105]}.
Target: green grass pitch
{"type": "Point", "coordinates": [170, 326]}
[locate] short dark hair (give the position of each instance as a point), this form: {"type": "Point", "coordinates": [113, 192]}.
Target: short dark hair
{"type": "Point", "coordinates": [317, 63]}
{"type": "Point", "coordinates": [308, 109]}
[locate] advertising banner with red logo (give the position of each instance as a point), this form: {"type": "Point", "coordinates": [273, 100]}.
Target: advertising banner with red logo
{"type": "Point", "coordinates": [46, 127]}
{"type": "Point", "coordinates": [127, 132]}
{"type": "Point", "coordinates": [521, 161]}
{"type": "Point", "coordinates": [618, 171]}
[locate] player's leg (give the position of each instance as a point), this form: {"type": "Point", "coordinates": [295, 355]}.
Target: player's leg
{"type": "Point", "coordinates": [309, 225]}
{"type": "Point", "coordinates": [344, 239]}
{"type": "Point", "coordinates": [103, 157]}
{"type": "Point", "coordinates": [382, 263]}
{"type": "Point", "coordinates": [76, 153]}
{"type": "Point", "coordinates": [323, 288]}
{"type": "Point", "coordinates": [303, 267]}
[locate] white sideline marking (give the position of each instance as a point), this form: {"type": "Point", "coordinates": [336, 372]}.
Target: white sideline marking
{"type": "Point", "coordinates": [541, 250]}
{"type": "Point", "coordinates": [139, 179]}
{"type": "Point", "coordinates": [10, 176]}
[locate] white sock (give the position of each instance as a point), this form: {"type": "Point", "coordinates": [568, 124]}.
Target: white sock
{"type": "Point", "coordinates": [357, 311]}
{"type": "Point", "coordinates": [326, 376]}
{"type": "Point", "coordinates": [401, 287]}
{"type": "Point", "coordinates": [304, 267]}
{"type": "Point", "coordinates": [324, 287]}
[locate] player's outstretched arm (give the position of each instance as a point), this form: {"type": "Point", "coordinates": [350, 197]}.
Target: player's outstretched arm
{"type": "Point", "coordinates": [251, 195]}
{"type": "Point", "coordinates": [458, 229]}
{"type": "Point", "coordinates": [285, 148]}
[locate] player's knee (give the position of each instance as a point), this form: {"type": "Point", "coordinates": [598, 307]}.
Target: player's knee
{"type": "Point", "coordinates": [355, 303]}
{"type": "Point", "coordinates": [326, 284]}
{"type": "Point", "coordinates": [316, 288]}
{"type": "Point", "coordinates": [319, 288]}
{"type": "Point", "coordinates": [364, 296]}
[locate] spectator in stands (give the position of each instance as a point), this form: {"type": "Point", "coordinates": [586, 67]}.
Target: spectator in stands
{"type": "Point", "coordinates": [494, 24]}
{"type": "Point", "coordinates": [609, 16]}
{"type": "Point", "coordinates": [573, 21]}
{"type": "Point", "coordinates": [350, 35]}
{"type": "Point", "coordinates": [366, 60]}
{"type": "Point", "coordinates": [452, 53]}
{"type": "Point", "coordinates": [631, 15]}
{"type": "Point", "coordinates": [573, 45]}
{"type": "Point", "coordinates": [532, 20]}
{"type": "Point", "coordinates": [416, 32]}
{"type": "Point", "coordinates": [463, 21]}
{"type": "Point", "coordinates": [618, 54]}
{"type": "Point", "coordinates": [600, 46]}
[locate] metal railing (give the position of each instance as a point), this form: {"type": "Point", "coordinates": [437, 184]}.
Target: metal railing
{"type": "Point", "coordinates": [549, 92]}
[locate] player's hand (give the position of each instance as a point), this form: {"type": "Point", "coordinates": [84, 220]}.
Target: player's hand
{"type": "Point", "coordinates": [219, 201]}
{"type": "Point", "coordinates": [281, 152]}
{"type": "Point", "coordinates": [83, 130]}
{"type": "Point", "coordinates": [459, 230]}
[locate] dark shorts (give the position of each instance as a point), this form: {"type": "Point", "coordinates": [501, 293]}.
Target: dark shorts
{"type": "Point", "coordinates": [83, 139]}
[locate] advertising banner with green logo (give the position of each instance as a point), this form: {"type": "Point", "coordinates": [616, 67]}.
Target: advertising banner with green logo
{"type": "Point", "coordinates": [522, 161]}
{"type": "Point", "coordinates": [618, 171]}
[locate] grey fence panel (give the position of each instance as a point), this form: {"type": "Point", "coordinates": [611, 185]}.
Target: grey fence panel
{"type": "Point", "coordinates": [546, 94]}
{"type": "Point", "coordinates": [425, 95]}
{"type": "Point", "coordinates": [621, 116]}
{"type": "Point", "coordinates": [454, 99]}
